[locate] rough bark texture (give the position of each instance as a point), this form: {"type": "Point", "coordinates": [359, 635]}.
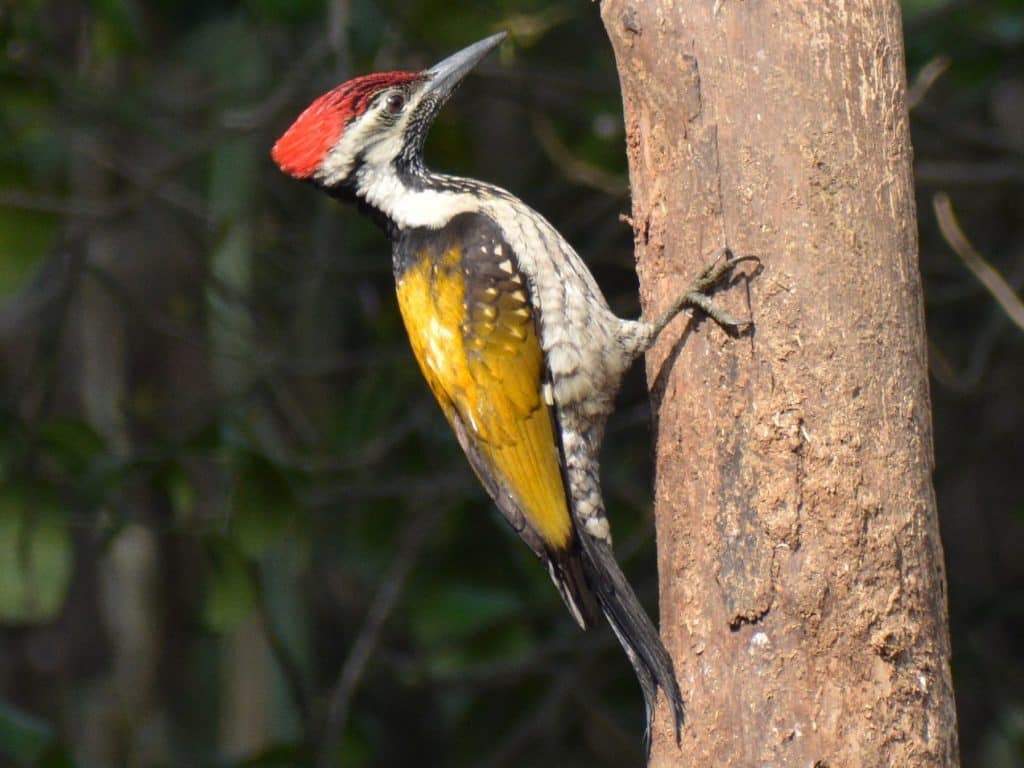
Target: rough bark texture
{"type": "Point", "coordinates": [802, 584]}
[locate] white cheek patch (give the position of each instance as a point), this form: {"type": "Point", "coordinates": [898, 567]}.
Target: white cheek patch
{"type": "Point", "coordinates": [377, 143]}
{"type": "Point", "coordinates": [383, 151]}
{"type": "Point", "coordinates": [367, 134]}
{"type": "Point", "coordinates": [337, 163]}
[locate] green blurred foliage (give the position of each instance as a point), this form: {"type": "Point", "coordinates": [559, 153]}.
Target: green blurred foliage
{"type": "Point", "coordinates": [29, 741]}
{"type": "Point", "coordinates": [263, 505]}
{"type": "Point", "coordinates": [198, 349]}
{"type": "Point", "coordinates": [230, 591]}
{"type": "Point", "coordinates": [35, 554]}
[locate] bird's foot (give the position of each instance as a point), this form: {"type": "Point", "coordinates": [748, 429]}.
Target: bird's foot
{"type": "Point", "coordinates": [696, 296]}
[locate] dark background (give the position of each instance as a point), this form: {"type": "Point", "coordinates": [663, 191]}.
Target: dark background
{"type": "Point", "coordinates": [231, 519]}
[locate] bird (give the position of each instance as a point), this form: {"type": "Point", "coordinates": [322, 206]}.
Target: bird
{"type": "Point", "coordinates": [510, 330]}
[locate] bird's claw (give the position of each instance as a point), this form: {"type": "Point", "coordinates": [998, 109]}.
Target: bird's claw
{"type": "Point", "coordinates": [696, 296]}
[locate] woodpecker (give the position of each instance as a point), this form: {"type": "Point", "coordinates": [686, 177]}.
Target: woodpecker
{"type": "Point", "coordinates": [513, 335]}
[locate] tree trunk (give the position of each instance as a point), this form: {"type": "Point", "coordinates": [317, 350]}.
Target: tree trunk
{"type": "Point", "coordinates": [802, 584]}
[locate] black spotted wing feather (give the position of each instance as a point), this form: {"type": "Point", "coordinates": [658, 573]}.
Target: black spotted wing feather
{"type": "Point", "coordinates": [467, 309]}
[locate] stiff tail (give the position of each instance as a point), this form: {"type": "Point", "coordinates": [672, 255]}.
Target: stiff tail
{"type": "Point", "coordinates": [636, 633]}
{"type": "Point", "coordinates": [567, 572]}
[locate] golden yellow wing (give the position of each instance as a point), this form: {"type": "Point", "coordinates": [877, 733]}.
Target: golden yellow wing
{"type": "Point", "coordinates": [467, 311]}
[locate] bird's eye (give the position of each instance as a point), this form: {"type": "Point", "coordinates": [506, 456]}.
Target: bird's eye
{"type": "Point", "coordinates": [394, 103]}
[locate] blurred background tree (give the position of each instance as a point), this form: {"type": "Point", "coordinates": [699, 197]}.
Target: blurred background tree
{"type": "Point", "coordinates": [234, 529]}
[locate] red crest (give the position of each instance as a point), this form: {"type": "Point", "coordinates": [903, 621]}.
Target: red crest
{"type": "Point", "coordinates": [301, 148]}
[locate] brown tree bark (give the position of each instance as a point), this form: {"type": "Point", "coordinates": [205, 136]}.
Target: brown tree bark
{"type": "Point", "coordinates": [802, 583]}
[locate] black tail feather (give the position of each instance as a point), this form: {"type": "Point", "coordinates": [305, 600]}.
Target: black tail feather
{"type": "Point", "coordinates": [566, 569]}
{"type": "Point", "coordinates": [636, 633]}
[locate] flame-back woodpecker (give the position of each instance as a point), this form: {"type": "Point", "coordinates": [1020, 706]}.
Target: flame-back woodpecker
{"type": "Point", "coordinates": [510, 329]}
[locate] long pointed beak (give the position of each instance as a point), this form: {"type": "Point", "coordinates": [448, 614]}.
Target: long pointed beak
{"type": "Point", "coordinates": [446, 75]}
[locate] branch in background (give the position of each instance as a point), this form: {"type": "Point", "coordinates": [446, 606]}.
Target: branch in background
{"type": "Point", "coordinates": [545, 714]}
{"type": "Point", "coordinates": [295, 78]}
{"type": "Point", "coordinates": [370, 452]}
{"type": "Point", "coordinates": [118, 205]}
{"type": "Point", "coordinates": [961, 133]}
{"type": "Point", "coordinates": [975, 262]}
{"type": "Point", "coordinates": [381, 604]}
{"type": "Point", "coordinates": [971, 174]}
{"type": "Point", "coordinates": [286, 661]}
{"type": "Point", "coordinates": [545, 660]}
{"type": "Point", "coordinates": [170, 191]}
{"type": "Point", "coordinates": [233, 122]}
{"type": "Point", "coordinates": [925, 79]}
{"type": "Point", "coordinates": [417, 486]}
{"type": "Point", "coordinates": [569, 684]}
{"type": "Point", "coordinates": [981, 350]}
{"type": "Point", "coordinates": [574, 169]}
{"type": "Point", "coordinates": [338, 16]}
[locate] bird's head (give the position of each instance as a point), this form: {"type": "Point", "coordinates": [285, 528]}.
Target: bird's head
{"type": "Point", "coordinates": [372, 126]}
